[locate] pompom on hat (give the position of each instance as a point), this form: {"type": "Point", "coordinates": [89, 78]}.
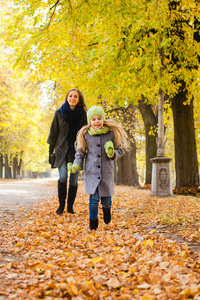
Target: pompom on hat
{"type": "Point", "coordinates": [95, 110]}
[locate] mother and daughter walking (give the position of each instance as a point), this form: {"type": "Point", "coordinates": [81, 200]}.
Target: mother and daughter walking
{"type": "Point", "coordinates": [98, 144]}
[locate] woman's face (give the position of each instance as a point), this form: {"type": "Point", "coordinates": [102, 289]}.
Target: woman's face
{"type": "Point", "coordinates": [73, 99]}
{"type": "Point", "coordinates": [96, 122]}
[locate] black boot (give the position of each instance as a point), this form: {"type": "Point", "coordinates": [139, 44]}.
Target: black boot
{"type": "Point", "coordinates": [93, 224]}
{"type": "Point", "coordinates": [106, 215]}
{"type": "Point", "coordinates": [62, 191]}
{"type": "Point", "coordinates": [71, 198]}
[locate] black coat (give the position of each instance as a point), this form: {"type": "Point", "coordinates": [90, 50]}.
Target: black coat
{"type": "Point", "coordinates": [58, 137]}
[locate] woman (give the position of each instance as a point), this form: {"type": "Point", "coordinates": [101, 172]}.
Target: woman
{"type": "Point", "coordinates": [67, 121]}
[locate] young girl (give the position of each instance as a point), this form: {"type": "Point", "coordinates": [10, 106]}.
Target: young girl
{"type": "Point", "coordinates": [99, 144]}
{"type": "Point", "coordinates": [67, 121]}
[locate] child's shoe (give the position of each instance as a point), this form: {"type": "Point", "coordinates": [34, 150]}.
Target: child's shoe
{"type": "Point", "coordinates": [93, 224]}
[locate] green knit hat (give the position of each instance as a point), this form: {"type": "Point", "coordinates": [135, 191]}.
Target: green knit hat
{"type": "Point", "coordinates": [93, 111]}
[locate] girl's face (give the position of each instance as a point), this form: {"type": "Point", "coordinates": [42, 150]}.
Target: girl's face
{"type": "Point", "coordinates": [96, 122]}
{"type": "Point", "coordinates": [73, 99]}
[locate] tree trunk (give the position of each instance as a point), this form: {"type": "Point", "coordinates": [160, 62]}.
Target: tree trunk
{"type": "Point", "coordinates": [34, 174]}
{"type": "Point", "coordinates": [15, 162]}
{"type": "Point", "coordinates": [150, 123]}
{"type": "Point", "coordinates": [20, 165]}
{"type": "Point", "coordinates": [1, 165]}
{"type": "Point", "coordinates": [115, 171]}
{"type": "Point", "coordinates": [127, 168]}
{"type": "Point", "coordinates": [126, 165]}
{"type": "Point", "coordinates": [186, 163]}
{"type": "Point", "coordinates": [7, 168]}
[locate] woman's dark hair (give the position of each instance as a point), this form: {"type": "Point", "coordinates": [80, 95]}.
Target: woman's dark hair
{"type": "Point", "coordinates": [81, 98]}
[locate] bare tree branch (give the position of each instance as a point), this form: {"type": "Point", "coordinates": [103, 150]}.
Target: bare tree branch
{"type": "Point", "coordinates": [53, 7]}
{"type": "Point", "coordinates": [70, 5]}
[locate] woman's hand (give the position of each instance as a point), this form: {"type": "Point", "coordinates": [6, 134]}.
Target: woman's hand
{"type": "Point", "coordinates": [69, 167]}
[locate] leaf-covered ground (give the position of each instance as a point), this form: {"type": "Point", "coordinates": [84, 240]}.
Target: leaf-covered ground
{"type": "Point", "coordinates": [150, 250]}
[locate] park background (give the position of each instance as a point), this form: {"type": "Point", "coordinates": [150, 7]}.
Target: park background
{"type": "Point", "coordinates": [123, 55]}
{"type": "Point", "coordinates": [120, 54]}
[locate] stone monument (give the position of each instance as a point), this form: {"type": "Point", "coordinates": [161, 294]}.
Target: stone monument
{"type": "Point", "coordinates": [161, 182]}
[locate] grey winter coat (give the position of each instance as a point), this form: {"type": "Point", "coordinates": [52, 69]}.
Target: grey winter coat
{"type": "Point", "coordinates": [58, 137]}
{"type": "Point", "coordinates": [98, 169]}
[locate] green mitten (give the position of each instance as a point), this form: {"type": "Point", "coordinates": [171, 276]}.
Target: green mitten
{"type": "Point", "coordinates": [75, 168]}
{"type": "Point", "coordinates": [109, 148]}
{"type": "Point", "coordinates": [69, 167]}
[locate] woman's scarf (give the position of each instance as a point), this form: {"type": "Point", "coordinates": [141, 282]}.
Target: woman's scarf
{"type": "Point", "coordinates": [93, 131]}
{"type": "Point", "coordinates": [72, 117]}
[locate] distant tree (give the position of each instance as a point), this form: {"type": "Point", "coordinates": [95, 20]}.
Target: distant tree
{"type": "Point", "coordinates": [185, 33]}
{"type": "Point", "coordinates": [112, 48]}
{"type": "Point", "coordinates": [150, 120]}
{"type": "Point", "coordinates": [127, 164]}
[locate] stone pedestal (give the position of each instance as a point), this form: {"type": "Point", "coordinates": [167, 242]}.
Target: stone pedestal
{"type": "Point", "coordinates": [161, 182]}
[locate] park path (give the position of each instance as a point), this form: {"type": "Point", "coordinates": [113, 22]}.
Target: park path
{"type": "Point", "coordinates": [137, 256]}
{"type": "Point", "coordinates": [24, 194]}
{"type": "Point", "coordinates": [17, 195]}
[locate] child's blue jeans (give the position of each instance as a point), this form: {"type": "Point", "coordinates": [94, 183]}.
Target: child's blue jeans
{"type": "Point", "coordinates": [94, 204]}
